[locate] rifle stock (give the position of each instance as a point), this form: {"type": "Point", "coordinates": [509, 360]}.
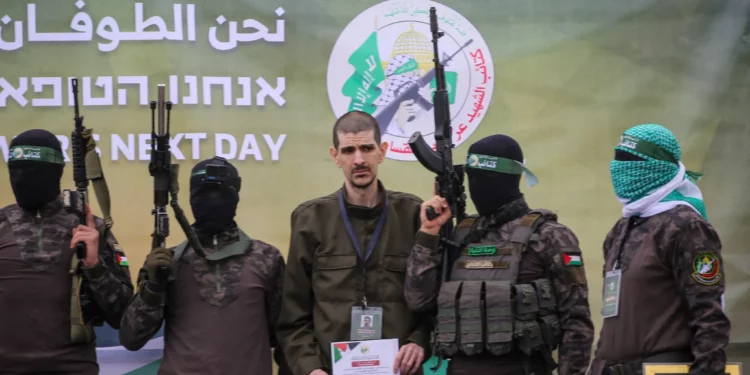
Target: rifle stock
{"type": "Point", "coordinates": [78, 143]}
{"type": "Point", "coordinates": [449, 177]}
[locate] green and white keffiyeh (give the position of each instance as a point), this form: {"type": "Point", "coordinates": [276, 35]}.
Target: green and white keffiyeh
{"type": "Point", "coordinates": [658, 183]}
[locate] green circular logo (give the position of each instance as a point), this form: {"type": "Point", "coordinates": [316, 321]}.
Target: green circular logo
{"type": "Point", "coordinates": [17, 153]}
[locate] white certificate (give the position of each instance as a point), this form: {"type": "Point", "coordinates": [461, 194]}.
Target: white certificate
{"type": "Point", "coordinates": [371, 357]}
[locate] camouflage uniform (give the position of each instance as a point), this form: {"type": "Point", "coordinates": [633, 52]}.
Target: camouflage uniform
{"type": "Point", "coordinates": [670, 296]}
{"type": "Point", "coordinates": [37, 343]}
{"type": "Point", "coordinates": [423, 283]}
{"type": "Point", "coordinates": [214, 311]}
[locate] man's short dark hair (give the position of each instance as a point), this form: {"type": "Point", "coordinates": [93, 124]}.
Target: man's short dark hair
{"type": "Point", "coordinates": [355, 122]}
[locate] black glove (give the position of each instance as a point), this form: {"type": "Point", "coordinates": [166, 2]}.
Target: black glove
{"type": "Point", "coordinates": [158, 257]}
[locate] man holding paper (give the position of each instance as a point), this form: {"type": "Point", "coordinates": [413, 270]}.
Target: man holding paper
{"type": "Point", "coordinates": [347, 260]}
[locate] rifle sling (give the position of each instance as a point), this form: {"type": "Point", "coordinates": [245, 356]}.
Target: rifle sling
{"type": "Point", "coordinates": [174, 189]}
{"type": "Point", "coordinates": [95, 173]}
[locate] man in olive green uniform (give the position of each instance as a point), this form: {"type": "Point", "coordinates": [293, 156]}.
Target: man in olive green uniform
{"type": "Point", "coordinates": [40, 274]}
{"type": "Point", "coordinates": [347, 259]}
{"type": "Point", "coordinates": [663, 271]}
{"type": "Point", "coordinates": [516, 290]}
{"type": "Point", "coordinates": [219, 310]}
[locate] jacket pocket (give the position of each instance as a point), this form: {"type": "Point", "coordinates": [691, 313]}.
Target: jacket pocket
{"type": "Point", "coordinates": [335, 262]}
{"type": "Point", "coordinates": [335, 277]}
{"type": "Point", "coordinates": [395, 263]}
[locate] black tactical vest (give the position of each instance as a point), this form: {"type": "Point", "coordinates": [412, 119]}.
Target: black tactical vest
{"type": "Point", "coordinates": [482, 309]}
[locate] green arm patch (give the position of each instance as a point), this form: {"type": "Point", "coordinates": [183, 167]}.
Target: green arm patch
{"type": "Point", "coordinates": [706, 268]}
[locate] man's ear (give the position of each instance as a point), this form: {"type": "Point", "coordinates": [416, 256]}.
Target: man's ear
{"type": "Point", "coordinates": [334, 155]}
{"type": "Point", "coordinates": [383, 150]}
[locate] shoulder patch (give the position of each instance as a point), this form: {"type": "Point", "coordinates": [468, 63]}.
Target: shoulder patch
{"type": "Point", "coordinates": [120, 257]}
{"type": "Point", "coordinates": [572, 259]}
{"type": "Point", "coordinates": [706, 268]}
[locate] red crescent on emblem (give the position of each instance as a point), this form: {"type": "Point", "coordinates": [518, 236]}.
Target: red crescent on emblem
{"type": "Point", "coordinates": [714, 270]}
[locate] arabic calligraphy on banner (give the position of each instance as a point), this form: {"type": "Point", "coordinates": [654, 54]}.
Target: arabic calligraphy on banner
{"type": "Point", "coordinates": [146, 29]}
{"type": "Point", "coordinates": [387, 70]}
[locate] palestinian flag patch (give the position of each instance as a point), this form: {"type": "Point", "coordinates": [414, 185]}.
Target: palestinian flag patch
{"type": "Point", "coordinates": [572, 260]}
{"type": "Point", "coordinates": [122, 259]}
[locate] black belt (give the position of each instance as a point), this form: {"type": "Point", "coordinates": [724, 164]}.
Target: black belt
{"type": "Point", "coordinates": [635, 367]}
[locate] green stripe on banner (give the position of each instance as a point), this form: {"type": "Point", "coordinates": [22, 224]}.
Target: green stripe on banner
{"type": "Point", "coordinates": [149, 369]}
{"type": "Point", "coordinates": [442, 370]}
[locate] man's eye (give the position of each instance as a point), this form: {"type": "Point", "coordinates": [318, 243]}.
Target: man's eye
{"type": "Point", "coordinates": [367, 148]}
{"type": "Point", "coordinates": [347, 150]}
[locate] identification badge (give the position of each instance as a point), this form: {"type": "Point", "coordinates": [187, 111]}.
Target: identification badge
{"type": "Point", "coordinates": [367, 323]}
{"type": "Point", "coordinates": [611, 298]}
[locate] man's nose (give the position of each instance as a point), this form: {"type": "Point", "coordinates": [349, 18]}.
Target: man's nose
{"type": "Point", "coordinates": [358, 158]}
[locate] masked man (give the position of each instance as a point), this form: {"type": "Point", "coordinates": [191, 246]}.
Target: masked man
{"type": "Point", "coordinates": [347, 258]}
{"type": "Point", "coordinates": [49, 299]}
{"type": "Point", "coordinates": [517, 288]}
{"type": "Point", "coordinates": [663, 271]}
{"type": "Point", "coordinates": [220, 310]}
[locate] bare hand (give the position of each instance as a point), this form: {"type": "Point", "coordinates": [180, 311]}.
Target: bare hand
{"type": "Point", "coordinates": [89, 236]}
{"type": "Point", "coordinates": [440, 205]}
{"type": "Point", "coordinates": [318, 372]}
{"type": "Point", "coordinates": [409, 359]}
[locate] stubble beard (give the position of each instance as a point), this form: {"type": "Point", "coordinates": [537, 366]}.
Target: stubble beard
{"type": "Point", "coordinates": [361, 186]}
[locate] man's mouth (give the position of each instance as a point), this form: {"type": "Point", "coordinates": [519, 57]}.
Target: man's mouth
{"type": "Point", "coordinates": [361, 172]}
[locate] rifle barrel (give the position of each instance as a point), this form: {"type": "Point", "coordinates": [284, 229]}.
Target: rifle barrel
{"type": "Point", "coordinates": [160, 101]}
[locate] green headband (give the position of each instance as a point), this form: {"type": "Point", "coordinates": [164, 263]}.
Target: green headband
{"type": "Point", "coordinates": [645, 147]}
{"type": "Point", "coordinates": [35, 153]}
{"type": "Point", "coordinates": [652, 150]}
{"type": "Point", "coordinates": [500, 165]}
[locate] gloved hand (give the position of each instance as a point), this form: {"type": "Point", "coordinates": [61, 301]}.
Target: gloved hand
{"type": "Point", "coordinates": [158, 257]}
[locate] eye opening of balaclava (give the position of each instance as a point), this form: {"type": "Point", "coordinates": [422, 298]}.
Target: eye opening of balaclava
{"type": "Point", "coordinates": [646, 158]}
{"type": "Point", "coordinates": [494, 166]}
{"type": "Point", "coordinates": [35, 165]}
{"type": "Point", "coordinates": [214, 195]}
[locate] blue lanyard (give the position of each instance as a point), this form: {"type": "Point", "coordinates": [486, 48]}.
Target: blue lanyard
{"type": "Point", "coordinates": [350, 229]}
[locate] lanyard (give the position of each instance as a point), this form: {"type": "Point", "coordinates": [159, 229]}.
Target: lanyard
{"type": "Point", "coordinates": [353, 236]}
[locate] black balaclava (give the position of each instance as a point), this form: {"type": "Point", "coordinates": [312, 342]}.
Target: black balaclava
{"type": "Point", "coordinates": [213, 200]}
{"type": "Point", "coordinates": [35, 163]}
{"type": "Point", "coordinates": [490, 189]}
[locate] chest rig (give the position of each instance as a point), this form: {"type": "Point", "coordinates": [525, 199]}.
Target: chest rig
{"type": "Point", "coordinates": [482, 310]}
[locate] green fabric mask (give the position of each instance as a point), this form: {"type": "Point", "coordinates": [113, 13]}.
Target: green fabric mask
{"type": "Point", "coordinates": [633, 180]}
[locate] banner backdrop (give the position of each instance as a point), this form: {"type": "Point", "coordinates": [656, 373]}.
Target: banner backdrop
{"type": "Point", "coordinates": [261, 83]}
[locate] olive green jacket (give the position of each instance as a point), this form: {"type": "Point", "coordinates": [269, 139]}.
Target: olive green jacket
{"type": "Point", "coordinates": [323, 280]}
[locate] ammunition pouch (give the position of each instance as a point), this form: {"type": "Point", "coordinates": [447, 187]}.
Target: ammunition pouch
{"type": "Point", "coordinates": [470, 315]}
{"type": "Point", "coordinates": [447, 319]}
{"type": "Point", "coordinates": [526, 330]}
{"type": "Point", "coordinates": [549, 322]}
{"type": "Point", "coordinates": [499, 317]}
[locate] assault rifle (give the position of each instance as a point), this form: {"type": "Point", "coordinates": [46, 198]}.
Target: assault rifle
{"type": "Point", "coordinates": [78, 142]}
{"type": "Point", "coordinates": [449, 179]}
{"type": "Point", "coordinates": [166, 182]}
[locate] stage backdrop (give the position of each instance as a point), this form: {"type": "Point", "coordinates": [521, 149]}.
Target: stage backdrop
{"type": "Point", "coordinates": [261, 84]}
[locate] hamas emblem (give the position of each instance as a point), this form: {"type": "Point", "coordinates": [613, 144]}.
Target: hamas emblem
{"type": "Point", "coordinates": [382, 64]}
{"type": "Point", "coordinates": [17, 153]}
{"type": "Point", "coordinates": [706, 269]}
